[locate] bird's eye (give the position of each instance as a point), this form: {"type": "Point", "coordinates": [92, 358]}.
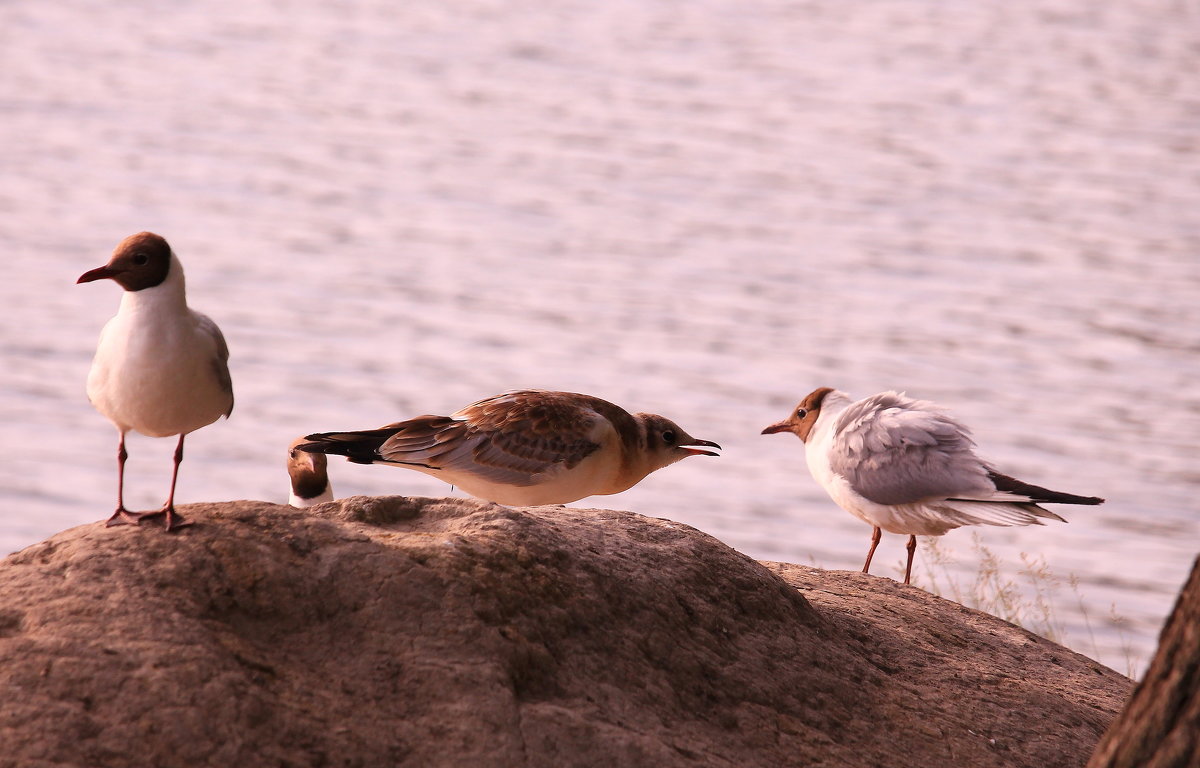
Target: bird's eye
{"type": "Point", "coordinates": [292, 453]}
{"type": "Point", "coordinates": [668, 437]}
{"type": "Point", "coordinates": [801, 413]}
{"type": "Point", "coordinates": [140, 259]}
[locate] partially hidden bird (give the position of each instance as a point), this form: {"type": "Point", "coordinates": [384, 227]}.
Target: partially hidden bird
{"type": "Point", "coordinates": [525, 448]}
{"type": "Point", "coordinates": [160, 369]}
{"type": "Point", "coordinates": [308, 476]}
{"type": "Point", "coordinates": [906, 466]}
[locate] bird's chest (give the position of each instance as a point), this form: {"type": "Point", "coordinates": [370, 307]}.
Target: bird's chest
{"type": "Point", "coordinates": [599, 473]}
{"type": "Point", "coordinates": [149, 379]}
{"type": "Point", "coordinates": [817, 456]}
{"type": "Point", "coordinates": [816, 453]}
{"type": "Point", "coordinates": [155, 355]}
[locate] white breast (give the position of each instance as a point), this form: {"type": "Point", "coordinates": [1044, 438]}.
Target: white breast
{"type": "Point", "coordinates": [916, 518]}
{"type": "Point", "coordinates": [155, 369]}
{"type": "Point", "coordinates": [296, 501]}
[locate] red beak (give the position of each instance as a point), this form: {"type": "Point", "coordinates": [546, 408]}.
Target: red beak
{"type": "Point", "coordinates": [99, 273]}
{"type": "Point", "coordinates": [700, 451]}
{"type": "Point", "coordinates": [781, 426]}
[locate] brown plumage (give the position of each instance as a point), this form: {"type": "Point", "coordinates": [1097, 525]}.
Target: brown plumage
{"type": "Point", "coordinates": [524, 448]}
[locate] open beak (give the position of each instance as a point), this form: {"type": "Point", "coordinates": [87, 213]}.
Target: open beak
{"type": "Point", "coordinates": [781, 426]}
{"type": "Point", "coordinates": [99, 273]}
{"type": "Point", "coordinates": [693, 451]}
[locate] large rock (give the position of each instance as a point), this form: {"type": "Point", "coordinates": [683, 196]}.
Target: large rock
{"type": "Point", "coordinates": [425, 632]}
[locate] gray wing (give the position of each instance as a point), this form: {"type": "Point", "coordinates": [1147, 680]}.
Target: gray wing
{"type": "Point", "coordinates": [220, 362]}
{"type": "Point", "coordinates": [895, 450]}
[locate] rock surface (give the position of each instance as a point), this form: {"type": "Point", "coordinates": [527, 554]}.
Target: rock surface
{"type": "Point", "coordinates": [447, 632]}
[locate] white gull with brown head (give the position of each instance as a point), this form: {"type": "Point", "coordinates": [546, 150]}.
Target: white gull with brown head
{"type": "Point", "coordinates": [161, 369]}
{"type": "Point", "coordinates": [905, 466]}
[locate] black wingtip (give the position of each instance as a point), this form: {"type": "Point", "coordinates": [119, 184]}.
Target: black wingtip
{"type": "Point", "coordinates": [1054, 497]}
{"type": "Point", "coordinates": [359, 447]}
{"type": "Point", "coordinates": [1038, 494]}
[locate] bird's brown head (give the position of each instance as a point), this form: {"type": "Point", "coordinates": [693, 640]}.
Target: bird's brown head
{"type": "Point", "coordinates": [667, 443]}
{"type": "Point", "coordinates": [141, 261]}
{"type": "Point", "coordinates": [803, 417]}
{"type": "Point", "coordinates": [308, 471]}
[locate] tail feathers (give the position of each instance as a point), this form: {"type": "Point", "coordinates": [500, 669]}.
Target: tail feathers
{"type": "Point", "coordinates": [359, 447]}
{"type": "Point", "coordinates": [956, 512]}
{"type": "Point", "coordinates": [1036, 493]}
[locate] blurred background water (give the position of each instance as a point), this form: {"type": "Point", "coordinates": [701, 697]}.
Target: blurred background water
{"type": "Point", "coordinates": [703, 209]}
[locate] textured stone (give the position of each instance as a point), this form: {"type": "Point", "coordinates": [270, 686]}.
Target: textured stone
{"type": "Point", "coordinates": [446, 632]}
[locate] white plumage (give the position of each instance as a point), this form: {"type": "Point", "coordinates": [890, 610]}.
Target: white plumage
{"type": "Point", "coordinates": [160, 368]}
{"type": "Point", "coordinates": [905, 466]}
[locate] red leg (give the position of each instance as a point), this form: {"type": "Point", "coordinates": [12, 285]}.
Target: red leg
{"type": "Point", "coordinates": [174, 520]}
{"type": "Point", "coordinates": [876, 535]}
{"type": "Point", "coordinates": [122, 516]}
{"type": "Point", "coordinates": [912, 548]}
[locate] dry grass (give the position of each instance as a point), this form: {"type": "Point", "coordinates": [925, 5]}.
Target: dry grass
{"type": "Point", "coordinates": [1027, 600]}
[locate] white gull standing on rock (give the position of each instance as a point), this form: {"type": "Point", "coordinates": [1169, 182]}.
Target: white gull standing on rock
{"type": "Point", "coordinates": [525, 448]}
{"type": "Point", "coordinates": [160, 369]}
{"type": "Point", "coordinates": [905, 466]}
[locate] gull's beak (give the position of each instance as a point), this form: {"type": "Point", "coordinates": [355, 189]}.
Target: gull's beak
{"type": "Point", "coordinates": [99, 273]}
{"type": "Point", "coordinates": [781, 426]}
{"type": "Point", "coordinates": [317, 463]}
{"type": "Point", "coordinates": [698, 451]}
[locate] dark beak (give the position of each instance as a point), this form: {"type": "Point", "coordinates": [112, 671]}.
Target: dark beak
{"type": "Point", "coordinates": [781, 426]}
{"type": "Point", "coordinates": [698, 451]}
{"type": "Point", "coordinates": [99, 273]}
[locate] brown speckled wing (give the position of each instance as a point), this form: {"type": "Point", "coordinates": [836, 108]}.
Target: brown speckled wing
{"type": "Point", "coordinates": [516, 438]}
{"type": "Point", "coordinates": [422, 440]}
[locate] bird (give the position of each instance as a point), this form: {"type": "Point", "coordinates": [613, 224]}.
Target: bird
{"type": "Point", "coordinates": [160, 369]}
{"type": "Point", "coordinates": [309, 477]}
{"type": "Point", "coordinates": [906, 466]}
{"type": "Point", "coordinates": [525, 448]}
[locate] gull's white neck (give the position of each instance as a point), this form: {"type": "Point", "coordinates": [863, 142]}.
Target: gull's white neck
{"type": "Point", "coordinates": [301, 502]}
{"type": "Point", "coordinates": [166, 297]}
{"type": "Point", "coordinates": [816, 448]}
{"type": "Point", "coordinates": [832, 407]}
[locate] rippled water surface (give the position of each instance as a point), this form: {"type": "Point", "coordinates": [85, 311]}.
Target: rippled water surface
{"type": "Point", "coordinates": [701, 209]}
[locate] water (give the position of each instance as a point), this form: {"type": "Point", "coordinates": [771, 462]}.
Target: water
{"type": "Point", "coordinates": [701, 209]}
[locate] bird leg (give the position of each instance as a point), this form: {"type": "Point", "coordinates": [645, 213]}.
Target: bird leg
{"type": "Point", "coordinates": [174, 520]}
{"type": "Point", "coordinates": [876, 535]}
{"type": "Point", "coordinates": [122, 516]}
{"type": "Point", "coordinates": [911, 546]}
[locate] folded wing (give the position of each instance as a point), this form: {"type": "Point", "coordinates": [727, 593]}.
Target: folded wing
{"type": "Point", "coordinates": [532, 437]}
{"type": "Point", "coordinates": [898, 451]}
{"type": "Point", "coordinates": [895, 450]}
